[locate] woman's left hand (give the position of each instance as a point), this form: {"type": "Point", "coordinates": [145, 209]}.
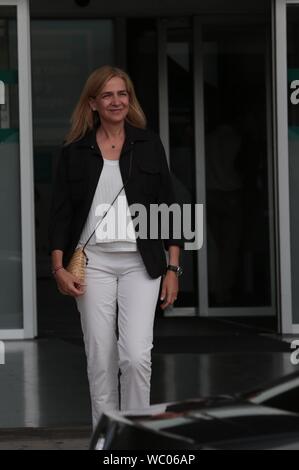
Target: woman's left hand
{"type": "Point", "coordinates": [170, 288]}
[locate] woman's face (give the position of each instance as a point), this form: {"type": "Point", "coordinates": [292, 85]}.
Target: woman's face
{"type": "Point", "coordinates": [112, 103]}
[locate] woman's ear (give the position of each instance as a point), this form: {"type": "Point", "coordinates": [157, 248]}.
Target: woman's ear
{"type": "Point", "coordinates": [92, 104]}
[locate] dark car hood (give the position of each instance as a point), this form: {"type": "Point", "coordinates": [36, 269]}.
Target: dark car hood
{"type": "Point", "coordinates": [223, 421]}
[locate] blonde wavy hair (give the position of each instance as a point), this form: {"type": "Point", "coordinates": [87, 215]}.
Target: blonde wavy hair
{"type": "Point", "coordinates": [83, 118]}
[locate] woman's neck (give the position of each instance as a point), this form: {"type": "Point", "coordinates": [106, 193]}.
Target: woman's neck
{"type": "Point", "coordinates": [111, 131]}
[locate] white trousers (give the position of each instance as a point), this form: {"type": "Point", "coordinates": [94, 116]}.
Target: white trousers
{"type": "Point", "coordinates": [118, 278]}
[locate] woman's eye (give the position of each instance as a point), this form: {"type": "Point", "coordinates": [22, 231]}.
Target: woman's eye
{"type": "Point", "coordinates": [122, 94]}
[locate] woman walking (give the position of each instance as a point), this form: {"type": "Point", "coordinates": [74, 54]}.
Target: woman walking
{"type": "Point", "coordinates": [108, 145]}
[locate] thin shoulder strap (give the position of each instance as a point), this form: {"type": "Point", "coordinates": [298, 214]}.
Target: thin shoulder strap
{"type": "Point", "coordinates": [97, 225]}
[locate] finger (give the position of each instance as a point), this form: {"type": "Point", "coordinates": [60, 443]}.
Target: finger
{"type": "Point", "coordinates": [79, 285]}
{"type": "Point", "coordinates": [163, 294]}
{"type": "Point", "coordinates": [171, 298]}
{"type": "Point", "coordinates": [78, 295]}
{"type": "Point", "coordinates": [75, 291]}
{"type": "Point", "coordinates": [81, 291]}
{"type": "Point", "coordinates": [166, 303]}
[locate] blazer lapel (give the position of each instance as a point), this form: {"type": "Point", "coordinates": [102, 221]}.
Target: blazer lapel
{"type": "Point", "coordinates": [95, 161]}
{"type": "Point", "coordinates": [133, 135]}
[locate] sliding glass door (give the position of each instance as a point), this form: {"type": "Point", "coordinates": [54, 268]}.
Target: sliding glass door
{"type": "Point", "coordinates": [17, 265]}
{"type": "Point", "coordinates": [216, 123]}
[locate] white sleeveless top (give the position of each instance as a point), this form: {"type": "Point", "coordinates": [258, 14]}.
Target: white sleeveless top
{"type": "Point", "coordinates": [116, 231]}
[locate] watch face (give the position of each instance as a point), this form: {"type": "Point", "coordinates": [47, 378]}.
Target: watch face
{"type": "Point", "coordinates": [177, 269]}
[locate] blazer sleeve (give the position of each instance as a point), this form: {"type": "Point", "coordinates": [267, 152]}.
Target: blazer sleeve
{"type": "Point", "coordinates": [167, 196]}
{"type": "Point", "coordinates": [61, 207]}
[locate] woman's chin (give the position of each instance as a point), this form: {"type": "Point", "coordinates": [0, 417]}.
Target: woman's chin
{"type": "Point", "coordinates": [116, 119]}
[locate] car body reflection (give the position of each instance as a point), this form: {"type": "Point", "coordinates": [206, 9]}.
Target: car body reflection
{"type": "Point", "coordinates": [267, 418]}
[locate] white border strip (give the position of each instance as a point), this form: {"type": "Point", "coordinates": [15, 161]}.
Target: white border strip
{"type": "Point", "coordinates": [11, 334]}
{"type": "Point", "coordinates": [199, 132]}
{"type": "Point", "coordinates": [271, 154]}
{"type": "Point", "coordinates": [26, 164]}
{"type": "Point", "coordinates": [163, 84]}
{"type": "Point", "coordinates": [180, 312]}
{"type": "Point", "coordinates": [283, 165]}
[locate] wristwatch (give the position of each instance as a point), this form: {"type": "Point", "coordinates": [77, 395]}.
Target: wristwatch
{"type": "Point", "coordinates": [177, 269]}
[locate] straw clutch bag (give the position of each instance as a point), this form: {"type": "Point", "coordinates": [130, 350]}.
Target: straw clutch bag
{"type": "Point", "coordinates": [77, 264]}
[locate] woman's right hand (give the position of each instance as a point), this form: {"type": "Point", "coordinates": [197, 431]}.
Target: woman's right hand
{"type": "Point", "coordinates": [68, 284]}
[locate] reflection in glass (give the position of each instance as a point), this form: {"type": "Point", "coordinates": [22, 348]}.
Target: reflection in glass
{"type": "Point", "coordinates": [236, 166]}
{"type": "Point", "coordinates": [181, 142]}
{"type": "Point", "coordinates": [142, 65]}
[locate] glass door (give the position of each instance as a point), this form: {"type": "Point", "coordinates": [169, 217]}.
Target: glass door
{"type": "Point", "coordinates": [238, 169]}
{"type": "Point", "coordinates": [17, 266]}
{"type": "Point", "coordinates": [216, 123]}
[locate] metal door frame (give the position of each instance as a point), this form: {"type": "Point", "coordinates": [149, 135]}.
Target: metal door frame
{"type": "Point", "coordinates": [282, 143]}
{"type": "Point", "coordinates": [29, 329]}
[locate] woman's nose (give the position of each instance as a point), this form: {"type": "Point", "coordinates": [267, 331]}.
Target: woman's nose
{"type": "Point", "coordinates": [115, 99]}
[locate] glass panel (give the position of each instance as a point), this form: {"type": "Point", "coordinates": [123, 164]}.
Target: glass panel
{"type": "Point", "coordinates": [11, 300]}
{"type": "Point", "coordinates": [64, 53]}
{"type": "Point", "coordinates": [142, 64]}
{"type": "Point", "coordinates": [237, 197]}
{"type": "Point", "coordinates": [143, 67]}
{"type": "Point", "coordinates": [293, 124]}
{"type": "Point", "coordinates": [181, 141]}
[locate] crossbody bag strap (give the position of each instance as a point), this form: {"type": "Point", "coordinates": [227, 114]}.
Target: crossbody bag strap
{"type": "Point", "coordinates": [97, 225]}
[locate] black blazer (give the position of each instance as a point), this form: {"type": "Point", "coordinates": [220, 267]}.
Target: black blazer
{"type": "Point", "coordinates": [78, 171]}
